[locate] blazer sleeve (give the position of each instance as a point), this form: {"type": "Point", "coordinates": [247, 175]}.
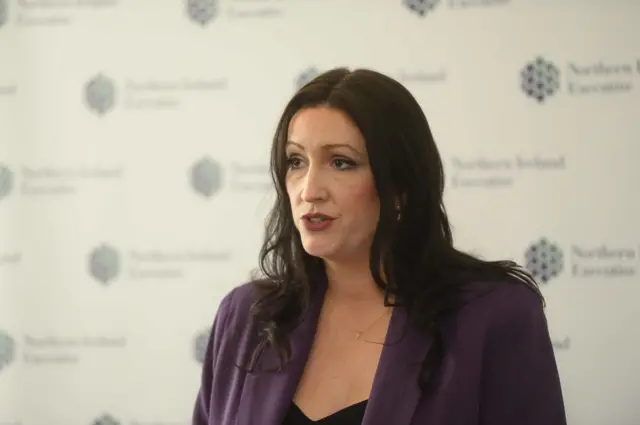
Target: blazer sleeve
{"type": "Point", "coordinates": [203, 398]}
{"type": "Point", "coordinates": [520, 380]}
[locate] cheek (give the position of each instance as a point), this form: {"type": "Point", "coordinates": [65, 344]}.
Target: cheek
{"type": "Point", "coordinates": [362, 197]}
{"type": "Point", "coordinates": [290, 187]}
{"type": "Point", "coordinates": [293, 195]}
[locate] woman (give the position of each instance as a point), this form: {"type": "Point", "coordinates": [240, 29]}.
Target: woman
{"type": "Point", "coordinates": [366, 313]}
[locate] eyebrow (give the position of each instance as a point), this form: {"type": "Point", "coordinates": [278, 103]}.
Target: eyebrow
{"type": "Point", "coordinates": [329, 146]}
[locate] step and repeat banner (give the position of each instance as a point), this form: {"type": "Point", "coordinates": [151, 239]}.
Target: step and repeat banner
{"type": "Point", "coordinates": [134, 142]}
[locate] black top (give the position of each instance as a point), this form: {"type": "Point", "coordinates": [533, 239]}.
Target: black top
{"type": "Point", "coordinates": [350, 415]}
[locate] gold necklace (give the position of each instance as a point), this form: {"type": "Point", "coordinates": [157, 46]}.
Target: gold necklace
{"type": "Point", "coordinates": [360, 333]}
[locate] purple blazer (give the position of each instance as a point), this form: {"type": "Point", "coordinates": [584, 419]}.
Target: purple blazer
{"type": "Point", "coordinates": [499, 367]}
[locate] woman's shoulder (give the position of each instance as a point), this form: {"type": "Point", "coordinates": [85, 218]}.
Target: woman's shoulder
{"type": "Point", "coordinates": [503, 304]}
{"type": "Point", "coordinates": [236, 303]}
{"type": "Point", "coordinates": [517, 292]}
{"type": "Point", "coordinates": [233, 329]}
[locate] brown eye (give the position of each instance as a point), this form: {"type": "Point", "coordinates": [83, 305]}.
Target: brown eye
{"type": "Point", "coordinates": [293, 162]}
{"type": "Point", "coordinates": [343, 163]}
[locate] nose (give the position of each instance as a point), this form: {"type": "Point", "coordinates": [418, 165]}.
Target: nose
{"type": "Point", "coordinates": [313, 186]}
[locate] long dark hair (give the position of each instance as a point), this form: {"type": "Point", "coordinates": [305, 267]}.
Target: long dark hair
{"type": "Point", "coordinates": [423, 271]}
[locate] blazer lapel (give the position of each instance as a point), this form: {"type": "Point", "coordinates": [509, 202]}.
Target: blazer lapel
{"type": "Point", "coordinates": [395, 393]}
{"type": "Point", "coordinates": [266, 396]}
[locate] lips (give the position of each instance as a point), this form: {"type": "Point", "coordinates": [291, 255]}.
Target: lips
{"type": "Point", "coordinates": [317, 217]}
{"type": "Point", "coordinates": [317, 222]}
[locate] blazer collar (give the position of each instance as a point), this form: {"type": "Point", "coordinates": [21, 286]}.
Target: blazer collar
{"type": "Point", "coordinates": [394, 395]}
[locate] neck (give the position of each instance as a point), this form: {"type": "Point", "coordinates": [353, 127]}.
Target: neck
{"type": "Point", "coordinates": [352, 283]}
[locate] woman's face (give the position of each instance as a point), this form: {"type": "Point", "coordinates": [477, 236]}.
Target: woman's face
{"type": "Point", "coordinates": [330, 184]}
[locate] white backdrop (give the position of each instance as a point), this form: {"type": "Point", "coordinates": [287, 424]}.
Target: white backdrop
{"type": "Point", "coordinates": [134, 140]}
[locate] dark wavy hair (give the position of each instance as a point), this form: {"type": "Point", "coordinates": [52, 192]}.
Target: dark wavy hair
{"type": "Point", "coordinates": [423, 272]}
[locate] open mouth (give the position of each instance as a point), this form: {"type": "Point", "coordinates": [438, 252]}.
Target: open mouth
{"type": "Point", "coordinates": [317, 219]}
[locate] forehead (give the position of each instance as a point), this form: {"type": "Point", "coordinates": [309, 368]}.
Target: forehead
{"type": "Point", "coordinates": [320, 125]}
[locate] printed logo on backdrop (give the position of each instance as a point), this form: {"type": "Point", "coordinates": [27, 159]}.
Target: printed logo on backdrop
{"type": "Point", "coordinates": [10, 258]}
{"type": "Point", "coordinates": [306, 76]}
{"type": "Point", "coordinates": [56, 349]}
{"type": "Point", "coordinates": [561, 344]}
{"type": "Point", "coordinates": [544, 260]}
{"type": "Point", "coordinates": [7, 350]}
{"type": "Point", "coordinates": [105, 419]}
{"type": "Point", "coordinates": [100, 94]}
{"type": "Point", "coordinates": [206, 177]}
{"type": "Point", "coordinates": [8, 89]}
{"type": "Point", "coordinates": [104, 263]}
{"type": "Point", "coordinates": [200, 345]}
{"type": "Point", "coordinates": [423, 8]}
{"type": "Point", "coordinates": [548, 260]}
{"type": "Point", "coordinates": [58, 180]}
{"type": "Point", "coordinates": [541, 78]}
{"type": "Point", "coordinates": [4, 12]}
{"type": "Point", "coordinates": [6, 181]}
{"type": "Point", "coordinates": [502, 171]}
{"type": "Point", "coordinates": [56, 13]}
{"type": "Point", "coordinates": [107, 263]}
{"type": "Point", "coordinates": [202, 11]}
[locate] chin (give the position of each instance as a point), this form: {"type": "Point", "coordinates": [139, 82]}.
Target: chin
{"type": "Point", "coordinates": [320, 253]}
{"type": "Point", "coordinates": [319, 249]}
